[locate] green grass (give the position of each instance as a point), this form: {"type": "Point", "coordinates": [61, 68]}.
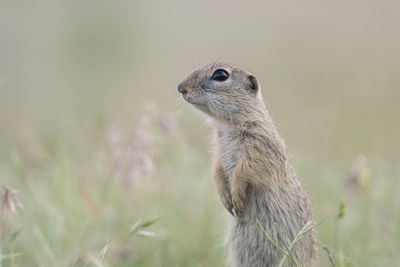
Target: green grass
{"type": "Point", "coordinates": [143, 196]}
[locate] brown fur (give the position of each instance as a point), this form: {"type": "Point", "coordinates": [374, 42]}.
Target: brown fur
{"type": "Point", "coordinates": [252, 174]}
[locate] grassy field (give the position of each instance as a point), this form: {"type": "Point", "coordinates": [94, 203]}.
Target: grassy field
{"type": "Point", "coordinates": [102, 164]}
{"type": "Point", "coordinates": [82, 191]}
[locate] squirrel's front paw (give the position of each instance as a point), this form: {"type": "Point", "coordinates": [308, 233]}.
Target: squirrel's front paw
{"type": "Point", "coordinates": [226, 199]}
{"type": "Point", "coordinates": [238, 200]}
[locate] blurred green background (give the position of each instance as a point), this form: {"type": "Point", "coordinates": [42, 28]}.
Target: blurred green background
{"type": "Point", "coordinates": [94, 136]}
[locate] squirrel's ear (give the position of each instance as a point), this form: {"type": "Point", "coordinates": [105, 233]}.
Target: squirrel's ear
{"type": "Point", "coordinates": [254, 87]}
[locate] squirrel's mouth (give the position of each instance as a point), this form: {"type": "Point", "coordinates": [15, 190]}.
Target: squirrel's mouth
{"type": "Point", "coordinates": [188, 98]}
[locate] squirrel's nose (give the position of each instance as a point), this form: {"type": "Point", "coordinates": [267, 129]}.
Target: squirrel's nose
{"type": "Point", "coordinates": [182, 89]}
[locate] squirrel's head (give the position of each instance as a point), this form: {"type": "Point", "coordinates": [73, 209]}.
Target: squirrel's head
{"type": "Point", "coordinates": [223, 91]}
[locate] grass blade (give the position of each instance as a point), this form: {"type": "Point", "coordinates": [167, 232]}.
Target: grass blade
{"type": "Point", "coordinates": [271, 240]}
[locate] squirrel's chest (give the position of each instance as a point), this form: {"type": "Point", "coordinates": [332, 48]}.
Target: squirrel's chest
{"type": "Point", "coordinates": [228, 149]}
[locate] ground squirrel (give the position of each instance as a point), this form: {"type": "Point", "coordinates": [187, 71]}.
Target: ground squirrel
{"type": "Point", "coordinates": [252, 174]}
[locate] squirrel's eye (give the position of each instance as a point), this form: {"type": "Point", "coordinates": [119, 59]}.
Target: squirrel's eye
{"type": "Point", "coordinates": [220, 75]}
